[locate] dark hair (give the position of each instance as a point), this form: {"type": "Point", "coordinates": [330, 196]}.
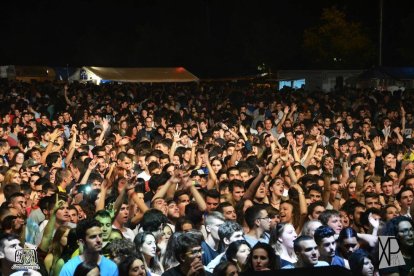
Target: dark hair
{"type": "Point", "coordinates": [7, 236]}
{"type": "Point", "coordinates": [213, 193]}
{"type": "Point", "coordinates": [180, 222]}
{"type": "Point", "coordinates": [102, 214]}
{"type": "Point", "coordinates": [298, 240]}
{"type": "Point", "coordinates": [233, 248]}
{"type": "Point", "coordinates": [313, 205]}
{"type": "Point", "coordinates": [347, 233]}
{"type": "Point", "coordinates": [126, 263]}
{"type": "Point", "coordinates": [252, 214]}
{"type": "Point", "coordinates": [326, 215]}
{"type": "Point", "coordinates": [84, 225]}
{"type": "Point", "coordinates": [152, 220]}
{"type": "Point", "coordinates": [323, 232]}
{"type": "Point", "coordinates": [272, 265]}
{"type": "Point", "coordinates": [356, 261]}
{"type": "Point", "coordinates": [84, 268]}
{"type": "Point", "coordinates": [403, 189]}
{"type": "Point", "coordinates": [139, 240]}
{"type": "Point", "coordinates": [221, 269]}
{"type": "Point", "coordinates": [71, 245]}
{"type": "Point", "coordinates": [185, 242]}
{"type": "Point", "coordinates": [391, 227]}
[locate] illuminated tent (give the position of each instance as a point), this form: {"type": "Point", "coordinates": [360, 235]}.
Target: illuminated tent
{"type": "Point", "coordinates": [175, 74]}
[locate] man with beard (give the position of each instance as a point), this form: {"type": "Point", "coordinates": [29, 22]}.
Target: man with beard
{"type": "Point", "coordinates": [89, 234]}
{"type": "Point", "coordinates": [325, 239]}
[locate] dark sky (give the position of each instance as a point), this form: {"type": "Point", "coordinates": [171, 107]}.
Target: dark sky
{"type": "Point", "coordinates": [209, 37]}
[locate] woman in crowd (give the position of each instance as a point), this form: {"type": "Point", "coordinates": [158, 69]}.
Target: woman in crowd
{"type": "Point", "coordinates": [281, 239]}
{"type": "Point", "coordinates": [146, 244]}
{"type": "Point", "coordinates": [226, 269]}
{"type": "Point", "coordinates": [361, 263]}
{"type": "Point", "coordinates": [237, 252]}
{"type": "Point", "coordinates": [133, 265]}
{"type": "Point", "coordinates": [261, 258]}
{"type": "Point", "coordinates": [53, 261]}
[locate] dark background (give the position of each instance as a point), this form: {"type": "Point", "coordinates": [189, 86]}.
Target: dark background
{"type": "Point", "coordinates": [209, 37]}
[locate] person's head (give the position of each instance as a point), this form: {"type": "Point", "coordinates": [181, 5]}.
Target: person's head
{"type": "Point", "coordinates": [372, 200]}
{"type": "Point", "coordinates": [146, 244]}
{"type": "Point", "coordinates": [276, 186]}
{"type": "Point", "coordinates": [389, 212]}
{"type": "Point", "coordinates": [18, 201]}
{"type": "Point", "coordinates": [73, 214]}
{"type": "Point", "coordinates": [227, 268]}
{"type": "Point", "coordinates": [9, 244]}
{"type": "Point", "coordinates": [405, 197]}
{"type": "Point", "coordinates": [118, 249]}
{"type": "Point", "coordinates": [347, 241]}
{"type": "Point", "coordinates": [183, 224]}
{"type": "Point", "coordinates": [87, 269]}
{"type": "Point", "coordinates": [257, 218]}
{"type": "Point", "coordinates": [153, 221]}
{"type": "Point", "coordinates": [307, 251]}
{"type": "Point", "coordinates": [229, 232]}
{"type": "Point", "coordinates": [212, 223]}
{"type": "Point", "coordinates": [212, 200]}
{"type": "Point", "coordinates": [105, 220]}
{"type": "Point", "coordinates": [182, 198]}
{"type": "Point", "coordinates": [401, 227]}
{"type": "Point", "coordinates": [261, 257]}
{"type": "Point", "coordinates": [325, 239]}
{"type": "Point", "coordinates": [315, 209]}
{"type": "Point", "coordinates": [282, 237]}
{"type": "Point", "coordinates": [132, 265]}
{"type": "Point", "coordinates": [387, 186]}
{"type": "Point", "coordinates": [89, 234]}
{"type": "Point", "coordinates": [332, 219]}
{"type": "Point", "coordinates": [237, 189]}
{"type": "Point", "coordinates": [310, 226]}
{"type": "Point", "coordinates": [287, 212]}
{"type": "Point", "coordinates": [315, 193]}
{"type": "Point", "coordinates": [238, 251]}
{"type": "Point", "coordinates": [187, 248]}
{"type": "Point", "coordinates": [228, 211]}
{"type": "Point", "coordinates": [360, 263]}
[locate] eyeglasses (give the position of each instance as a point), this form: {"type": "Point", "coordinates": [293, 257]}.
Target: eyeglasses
{"type": "Point", "coordinates": [406, 231]}
{"type": "Point", "coordinates": [265, 218]}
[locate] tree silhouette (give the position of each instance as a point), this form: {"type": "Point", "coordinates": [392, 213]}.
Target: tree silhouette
{"type": "Point", "coordinates": [336, 42]}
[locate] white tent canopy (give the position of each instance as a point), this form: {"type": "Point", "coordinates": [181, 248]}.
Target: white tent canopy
{"type": "Point", "coordinates": [174, 74]}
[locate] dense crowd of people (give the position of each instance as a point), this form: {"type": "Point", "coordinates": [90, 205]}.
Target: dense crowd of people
{"type": "Point", "coordinates": [199, 179]}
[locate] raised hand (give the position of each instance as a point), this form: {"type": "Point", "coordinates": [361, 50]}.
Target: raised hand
{"type": "Point", "coordinates": [377, 144]}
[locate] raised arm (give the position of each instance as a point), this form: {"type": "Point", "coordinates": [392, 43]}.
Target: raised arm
{"type": "Point", "coordinates": [72, 145]}
{"type": "Point", "coordinates": [53, 136]}
{"type": "Point", "coordinates": [50, 226]}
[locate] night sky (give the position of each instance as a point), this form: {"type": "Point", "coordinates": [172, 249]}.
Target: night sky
{"type": "Point", "coordinates": [209, 37]}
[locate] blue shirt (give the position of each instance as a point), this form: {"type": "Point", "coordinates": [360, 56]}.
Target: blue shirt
{"type": "Point", "coordinates": [106, 267]}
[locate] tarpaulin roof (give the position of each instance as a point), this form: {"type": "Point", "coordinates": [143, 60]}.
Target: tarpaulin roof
{"type": "Point", "coordinates": [176, 74]}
